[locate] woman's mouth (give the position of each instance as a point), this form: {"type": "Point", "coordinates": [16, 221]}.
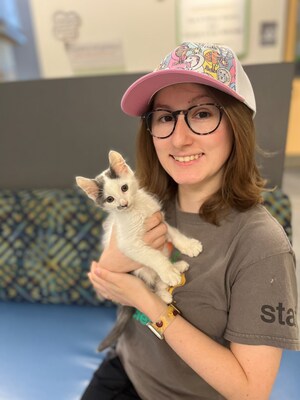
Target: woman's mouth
{"type": "Point", "coordinates": [186, 159]}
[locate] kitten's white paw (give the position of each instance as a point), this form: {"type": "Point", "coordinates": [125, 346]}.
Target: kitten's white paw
{"type": "Point", "coordinates": [170, 276]}
{"type": "Point", "coordinates": [191, 247]}
{"type": "Point", "coordinates": [181, 266]}
{"type": "Point", "coordinates": [165, 296]}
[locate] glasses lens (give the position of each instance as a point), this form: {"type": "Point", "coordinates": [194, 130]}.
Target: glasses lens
{"type": "Point", "coordinates": [160, 123]}
{"type": "Point", "coordinates": [204, 119]}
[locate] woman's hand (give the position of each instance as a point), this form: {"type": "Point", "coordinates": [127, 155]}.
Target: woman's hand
{"type": "Point", "coordinates": [156, 231]}
{"type": "Point", "coordinates": [125, 289]}
{"type": "Point", "coordinates": [119, 287]}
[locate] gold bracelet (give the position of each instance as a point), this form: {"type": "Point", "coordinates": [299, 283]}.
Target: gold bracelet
{"type": "Point", "coordinates": [159, 327]}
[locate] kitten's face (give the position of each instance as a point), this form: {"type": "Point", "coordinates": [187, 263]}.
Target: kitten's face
{"type": "Point", "coordinates": [115, 188]}
{"type": "Point", "coordinates": [116, 194]}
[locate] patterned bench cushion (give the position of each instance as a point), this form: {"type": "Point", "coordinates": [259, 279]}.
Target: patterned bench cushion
{"type": "Point", "coordinates": [48, 239]}
{"type": "Point", "coordinates": [279, 205]}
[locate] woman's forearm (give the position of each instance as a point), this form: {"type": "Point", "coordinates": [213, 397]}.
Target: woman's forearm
{"type": "Point", "coordinates": [216, 364]}
{"type": "Point", "coordinates": [116, 261]}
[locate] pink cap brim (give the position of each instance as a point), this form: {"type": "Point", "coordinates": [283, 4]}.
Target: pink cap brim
{"type": "Point", "coordinates": [137, 97]}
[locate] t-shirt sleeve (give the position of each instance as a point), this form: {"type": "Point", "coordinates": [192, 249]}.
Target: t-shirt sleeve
{"type": "Point", "coordinates": [263, 304]}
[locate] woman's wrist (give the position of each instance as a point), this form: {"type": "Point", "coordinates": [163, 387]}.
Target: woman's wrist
{"type": "Point", "coordinates": [151, 305]}
{"type": "Point", "coordinates": [159, 326]}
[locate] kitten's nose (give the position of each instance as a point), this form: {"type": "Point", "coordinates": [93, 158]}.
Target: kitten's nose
{"type": "Point", "coordinates": [123, 203]}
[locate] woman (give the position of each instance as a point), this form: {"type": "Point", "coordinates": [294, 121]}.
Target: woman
{"type": "Point", "coordinates": [195, 150]}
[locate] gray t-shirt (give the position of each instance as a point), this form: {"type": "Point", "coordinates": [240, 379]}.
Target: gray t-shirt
{"type": "Point", "coordinates": [241, 288]}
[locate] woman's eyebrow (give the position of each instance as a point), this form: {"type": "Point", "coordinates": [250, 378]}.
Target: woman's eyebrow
{"type": "Point", "coordinates": [193, 100]}
{"type": "Point", "coordinates": [201, 96]}
{"type": "Point", "coordinates": [164, 106]}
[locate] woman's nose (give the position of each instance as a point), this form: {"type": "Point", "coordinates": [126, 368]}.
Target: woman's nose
{"type": "Point", "coordinates": [182, 135]}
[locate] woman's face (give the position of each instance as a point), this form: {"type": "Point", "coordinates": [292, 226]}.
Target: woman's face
{"type": "Point", "coordinates": [192, 160]}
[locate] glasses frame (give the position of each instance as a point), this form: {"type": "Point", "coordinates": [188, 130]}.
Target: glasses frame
{"type": "Point", "coordinates": [185, 113]}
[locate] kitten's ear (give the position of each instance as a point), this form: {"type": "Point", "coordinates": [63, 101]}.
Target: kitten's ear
{"type": "Point", "coordinates": [118, 164]}
{"type": "Point", "coordinates": [89, 186]}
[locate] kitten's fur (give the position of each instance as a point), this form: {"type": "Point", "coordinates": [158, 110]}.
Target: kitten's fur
{"type": "Point", "coordinates": [116, 191]}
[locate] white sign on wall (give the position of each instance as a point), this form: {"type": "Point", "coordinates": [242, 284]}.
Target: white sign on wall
{"type": "Point", "coordinates": [214, 21]}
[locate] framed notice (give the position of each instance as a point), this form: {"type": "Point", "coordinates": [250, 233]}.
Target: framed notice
{"type": "Point", "coordinates": [214, 21]}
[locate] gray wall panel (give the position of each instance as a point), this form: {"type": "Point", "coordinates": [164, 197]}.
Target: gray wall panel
{"type": "Point", "coordinates": [53, 130]}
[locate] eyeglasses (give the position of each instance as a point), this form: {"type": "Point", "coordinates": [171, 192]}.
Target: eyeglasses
{"type": "Point", "coordinates": [202, 119]}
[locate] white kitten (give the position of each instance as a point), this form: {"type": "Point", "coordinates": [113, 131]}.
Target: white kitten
{"type": "Point", "coordinates": [116, 190]}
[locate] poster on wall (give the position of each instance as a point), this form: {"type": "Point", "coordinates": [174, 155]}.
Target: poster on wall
{"type": "Point", "coordinates": [75, 36]}
{"type": "Point", "coordinates": [97, 37]}
{"type": "Point", "coordinates": [214, 21]}
{"type": "Point", "coordinates": [85, 57]}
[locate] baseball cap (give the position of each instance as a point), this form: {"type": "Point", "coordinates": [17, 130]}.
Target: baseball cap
{"type": "Point", "coordinates": [213, 65]}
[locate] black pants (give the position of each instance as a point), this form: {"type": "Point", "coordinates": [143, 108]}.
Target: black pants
{"type": "Point", "coordinates": [110, 382]}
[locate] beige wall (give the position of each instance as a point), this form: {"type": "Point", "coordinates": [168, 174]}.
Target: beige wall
{"type": "Point", "coordinates": [143, 31]}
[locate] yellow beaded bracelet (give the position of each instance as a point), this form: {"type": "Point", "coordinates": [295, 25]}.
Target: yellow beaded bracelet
{"type": "Point", "coordinates": [159, 327]}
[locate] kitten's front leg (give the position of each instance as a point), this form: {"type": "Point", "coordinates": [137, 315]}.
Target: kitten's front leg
{"type": "Point", "coordinates": [155, 260]}
{"type": "Point", "coordinates": [151, 278]}
{"type": "Point", "coordinates": [188, 246]}
{"type": "Point", "coordinates": [161, 289]}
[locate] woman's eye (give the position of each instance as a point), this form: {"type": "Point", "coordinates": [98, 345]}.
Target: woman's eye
{"type": "Point", "coordinates": [110, 199]}
{"type": "Point", "coordinates": [161, 117]}
{"type": "Point", "coordinates": [124, 188]}
{"type": "Point", "coordinates": [202, 114]}
{"type": "Point", "coordinates": [166, 118]}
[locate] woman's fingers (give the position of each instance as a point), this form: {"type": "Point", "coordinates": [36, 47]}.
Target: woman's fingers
{"type": "Point", "coordinates": [99, 284]}
{"type": "Point", "coordinates": [153, 221]}
{"type": "Point", "coordinates": [156, 231]}
{"type": "Point", "coordinates": [104, 281]}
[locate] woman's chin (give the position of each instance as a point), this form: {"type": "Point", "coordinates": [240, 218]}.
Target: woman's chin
{"type": "Point", "coordinates": [187, 180]}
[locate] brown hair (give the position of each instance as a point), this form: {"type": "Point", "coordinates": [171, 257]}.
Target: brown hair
{"type": "Point", "coordinates": [242, 183]}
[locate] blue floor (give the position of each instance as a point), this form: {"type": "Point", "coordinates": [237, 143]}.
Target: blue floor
{"type": "Point", "coordinates": [48, 353]}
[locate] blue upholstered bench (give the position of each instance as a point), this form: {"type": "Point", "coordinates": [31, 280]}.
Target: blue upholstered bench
{"type": "Point", "coordinates": [51, 321]}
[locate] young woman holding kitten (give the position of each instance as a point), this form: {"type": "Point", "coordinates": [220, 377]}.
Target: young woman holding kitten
{"type": "Point", "coordinates": [223, 335]}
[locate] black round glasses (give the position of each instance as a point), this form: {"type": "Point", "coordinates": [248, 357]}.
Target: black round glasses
{"type": "Point", "coordinates": [202, 119]}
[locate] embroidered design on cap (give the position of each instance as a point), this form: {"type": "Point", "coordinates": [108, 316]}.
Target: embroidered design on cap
{"type": "Point", "coordinates": [213, 60]}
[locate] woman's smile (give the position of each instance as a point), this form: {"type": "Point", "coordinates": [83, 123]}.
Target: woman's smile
{"type": "Point", "coordinates": [187, 159]}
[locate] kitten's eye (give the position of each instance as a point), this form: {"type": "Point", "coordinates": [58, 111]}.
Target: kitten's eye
{"type": "Point", "coordinates": [124, 188]}
{"type": "Point", "coordinates": [110, 199]}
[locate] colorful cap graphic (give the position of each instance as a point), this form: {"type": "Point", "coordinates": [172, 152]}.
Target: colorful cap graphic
{"type": "Point", "coordinates": [208, 64]}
